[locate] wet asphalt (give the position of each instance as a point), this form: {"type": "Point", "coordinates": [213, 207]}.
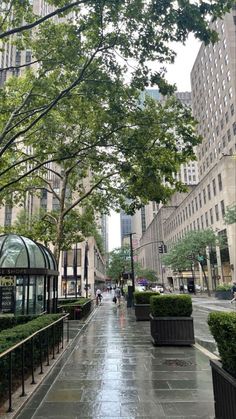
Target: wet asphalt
{"type": "Point", "coordinates": [112, 370]}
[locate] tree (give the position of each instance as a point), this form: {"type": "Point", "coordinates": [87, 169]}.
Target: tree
{"type": "Point", "coordinates": [104, 148]}
{"type": "Point", "coordinates": [119, 263]}
{"type": "Point", "coordinates": [74, 109]}
{"type": "Point", "coordinates": [192, 249]}
{"type": "Point", "coordinates": [230, 215]}
{"type": "Point", "coordinates": [87, 37]}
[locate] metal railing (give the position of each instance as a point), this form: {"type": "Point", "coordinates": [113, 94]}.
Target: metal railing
{"type": "Point", "coordinates": [44, 332]}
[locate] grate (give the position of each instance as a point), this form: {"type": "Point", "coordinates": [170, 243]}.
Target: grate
{"type": "Point", "coordinates": [177, 363]}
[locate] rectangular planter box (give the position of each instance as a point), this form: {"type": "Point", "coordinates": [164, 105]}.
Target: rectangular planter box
{"type": "Point", "coordinates": [172, 330]}
{"type": "Point", "coordinates": [224, 387]}
{"type": "Point", "coordinates": [224, 295]}
{"type": "Point", "coordinates": [142, 311]}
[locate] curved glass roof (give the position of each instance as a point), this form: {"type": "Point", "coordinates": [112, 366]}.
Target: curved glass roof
{"type": "Point", "coordinates": [21, 252]}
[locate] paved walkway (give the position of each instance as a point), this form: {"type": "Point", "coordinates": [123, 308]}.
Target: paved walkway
{"type": "Point", "coordinates": [113, 370]}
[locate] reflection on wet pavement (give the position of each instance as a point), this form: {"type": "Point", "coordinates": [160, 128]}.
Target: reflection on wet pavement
{"type": "Point", "coordinates": [115, 371]}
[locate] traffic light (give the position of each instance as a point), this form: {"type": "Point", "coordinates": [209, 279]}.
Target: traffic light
{"type": "Point", "coordinates": [162, 248]}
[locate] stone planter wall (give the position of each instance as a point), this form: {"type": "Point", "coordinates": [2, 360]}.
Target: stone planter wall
{"type": "Point", "coordinates": [224, 295]}
{"type": "Point", "coordinates": [172, 330]}
{"type": "Point", "coordinates": [224, 386]}
{"type": "Point", "coordinates": [142, 311]}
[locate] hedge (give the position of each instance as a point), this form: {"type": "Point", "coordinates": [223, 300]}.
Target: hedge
{"type": "Point", "coordinates": [143, 297]}
{"type": "Point", "coordinates": [83, 303]}
{"type": "Point", "coordinates": [223, 328]}
{"type": "Point", "coordinates": [6, 322]}
{"type": "Point", "coordinates": [11, 337]}
{"type": "Point", "coordinates": [224, 287]}
{"type": "Point", "coordinates": [171, 306]}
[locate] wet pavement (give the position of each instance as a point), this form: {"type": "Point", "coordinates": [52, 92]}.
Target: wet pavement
{"type": "Point", "coordinates": [113, 370]}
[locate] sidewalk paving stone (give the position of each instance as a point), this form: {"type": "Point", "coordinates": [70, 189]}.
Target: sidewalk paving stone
{"type": "Point", "coordinates": [114, 371]}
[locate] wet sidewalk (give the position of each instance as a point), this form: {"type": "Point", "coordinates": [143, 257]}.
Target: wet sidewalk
{"type": "Point", "coordinates": [113, 370]}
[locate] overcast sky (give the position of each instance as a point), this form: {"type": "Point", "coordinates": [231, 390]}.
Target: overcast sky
{"type": "Point", "coordinates": [178, 73]}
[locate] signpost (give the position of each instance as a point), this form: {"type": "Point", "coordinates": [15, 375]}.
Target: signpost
{"type": "Point", "coordinates": [7, 294]}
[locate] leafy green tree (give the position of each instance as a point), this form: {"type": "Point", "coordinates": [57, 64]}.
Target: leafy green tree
{"type": "Point", "coordinates": [85, 38]}
{"type": "Point", "coordinates": [192, 249]}
{"type": "Point", "coordinates": [230, 215]}
{"type": "Point", "coordinates": [118, 263]}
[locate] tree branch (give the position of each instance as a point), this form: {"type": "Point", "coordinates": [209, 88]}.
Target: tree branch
{"type": "Point", "coordinates": [79, 200]}
{"type": "Point", "coordinates": [41, 20]}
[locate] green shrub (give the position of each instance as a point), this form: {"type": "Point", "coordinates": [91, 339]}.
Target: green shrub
{"type": "Point", "coordinates": [223, 328]}
{"type": "Point", "coordinates": [44, 340]}
{"type": "Point", "coordinates": [171, 306]}
{"type": "Point", "coordinates": [6, 322]}
{"type": "Point", "coordinates": [67, 303]}
{"type": "Point", "coordinates": [10, 337]}
{"type": "Point", "coordinates": [143, 297]}
{"type": "Point", "coordinates": [224, 287]}
{"type": "Point", "coordinates": [83, 303]}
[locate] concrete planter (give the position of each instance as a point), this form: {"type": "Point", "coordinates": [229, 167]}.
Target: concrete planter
{"type": "Point", "coordinates": [224, 387]}
{"type": "Point", "coordinates": [172, 330]}
{"type": "Point", "coordinates": [142, 311]}
{"type": "Point", "coordinates": [224, 295]}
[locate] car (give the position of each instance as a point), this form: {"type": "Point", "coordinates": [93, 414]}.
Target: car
{"type": "Point", "coordinates": [158, 288]}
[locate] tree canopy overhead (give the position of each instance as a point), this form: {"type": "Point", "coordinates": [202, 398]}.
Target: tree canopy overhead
{"type": "Point", "coordinates": [73, 107]}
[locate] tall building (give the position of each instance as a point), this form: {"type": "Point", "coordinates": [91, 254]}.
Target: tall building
{"type": "Point", "coordinates": [213, 80]}
{"type": "Point", "coordinates": [125, 226]}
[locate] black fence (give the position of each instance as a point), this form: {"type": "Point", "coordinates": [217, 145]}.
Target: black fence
{"type": "Point", "coordinates": [20, 361]}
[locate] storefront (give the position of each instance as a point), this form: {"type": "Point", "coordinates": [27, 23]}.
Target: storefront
{"type": "Point", "coordinates": [28, 276]}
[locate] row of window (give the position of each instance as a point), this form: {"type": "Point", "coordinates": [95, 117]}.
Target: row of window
{"type": "Point", "coordinates": [197, 203]}
{"type": "Point", "coordinates": [204, 221]}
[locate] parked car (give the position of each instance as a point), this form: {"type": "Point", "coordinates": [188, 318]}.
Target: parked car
{"type": "Point", "coordinates": [158, 288]}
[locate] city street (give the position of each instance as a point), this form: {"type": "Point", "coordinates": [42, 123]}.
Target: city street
{"type": "Point", "coordinates": [114, 370]}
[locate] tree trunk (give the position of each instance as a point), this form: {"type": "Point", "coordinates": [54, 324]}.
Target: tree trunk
{"type": "Point", "coordinates": [60, 227]}
{"type": "Point", "coordinates": [206, 281]}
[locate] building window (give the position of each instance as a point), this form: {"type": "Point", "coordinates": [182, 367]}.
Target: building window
{"type": "Point", "coordinates": [214, 187]}
{"type": "Point", "coordinates": [223, 141]}
{"type": "Point", "coordinates": [186, 212]}
{"type": "Point", "coordinates": [196, 204]}
{"type": "Point", "coordinates": [232, 109]}
{"type": "Point", "coordinates": [189, 210]}
{"type": "Point", "coordinates": [204, 195]}
{"type": "Point", "coordinates": [217, 212]}
{"type": "Point", "coordinates": [206, 218]}
{"type": "Point", "coordinates": [200, 200]}
{"type": "Point", "coordinates": [220, 182]}
{"type": "Point", "coordinates": [211, 216]}
{"type": "Point", "coordinates": [209, 191]}
{"type": "Point", "coordinates": [234, 128]}
{"type": "Point", "coordinates": [229, 135]}
{"type": "Point", "coordinates": [198, 224]}
{"type": "Point", "coordinates": [202, 222]}
{"type": "Point", "coordinates": [192, 207]}
{"type": "Point", "coordinates": [222, 205]}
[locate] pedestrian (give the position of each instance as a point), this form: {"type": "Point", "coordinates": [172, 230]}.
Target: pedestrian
{"type": "Point", "coordinates": [118, 295]}
{"type": "Point", "coordinates": [233, 290]}
{"type": "Point", "coordinates": [98, 296]}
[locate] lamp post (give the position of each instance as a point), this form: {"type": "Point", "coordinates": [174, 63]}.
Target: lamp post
{"type": "Point", "coordinates": [86, 268]}
{"type": "Point", "coordinates": [132, 260]}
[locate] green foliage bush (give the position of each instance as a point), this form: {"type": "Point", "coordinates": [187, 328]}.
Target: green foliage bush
{"type": "Point", "coordinates": [223, 328]}
{"type": "Point", "coordinates": [11, 337]}
{"type": "Point", "coordinates": [69, 306]}
{"type": "Point", "coordinates": [6, 322]}
{"type": "Point", "coordinates": [143, 297]}
{"type": "Point", "coordinates": [224, 287]}
{"type": "Point", "coordinates": [171, 306]}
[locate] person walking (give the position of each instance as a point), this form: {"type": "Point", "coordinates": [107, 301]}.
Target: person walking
{"type": "Point", "coordinates": [118, 295]}
{"type": "Point", "coordinates": [98, 296]}
{"type": "Point", "coordinates": [233, 289]}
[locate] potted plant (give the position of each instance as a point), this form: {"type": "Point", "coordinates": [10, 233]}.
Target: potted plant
{"type": "Point", "coordinates": [142, 304]}
{"type": "Point", "coordinates": [223, 292]}
{"type": "Point", "coordinates": [171, 321]}
{"type": "Point", "coordinates": [223, 328]}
